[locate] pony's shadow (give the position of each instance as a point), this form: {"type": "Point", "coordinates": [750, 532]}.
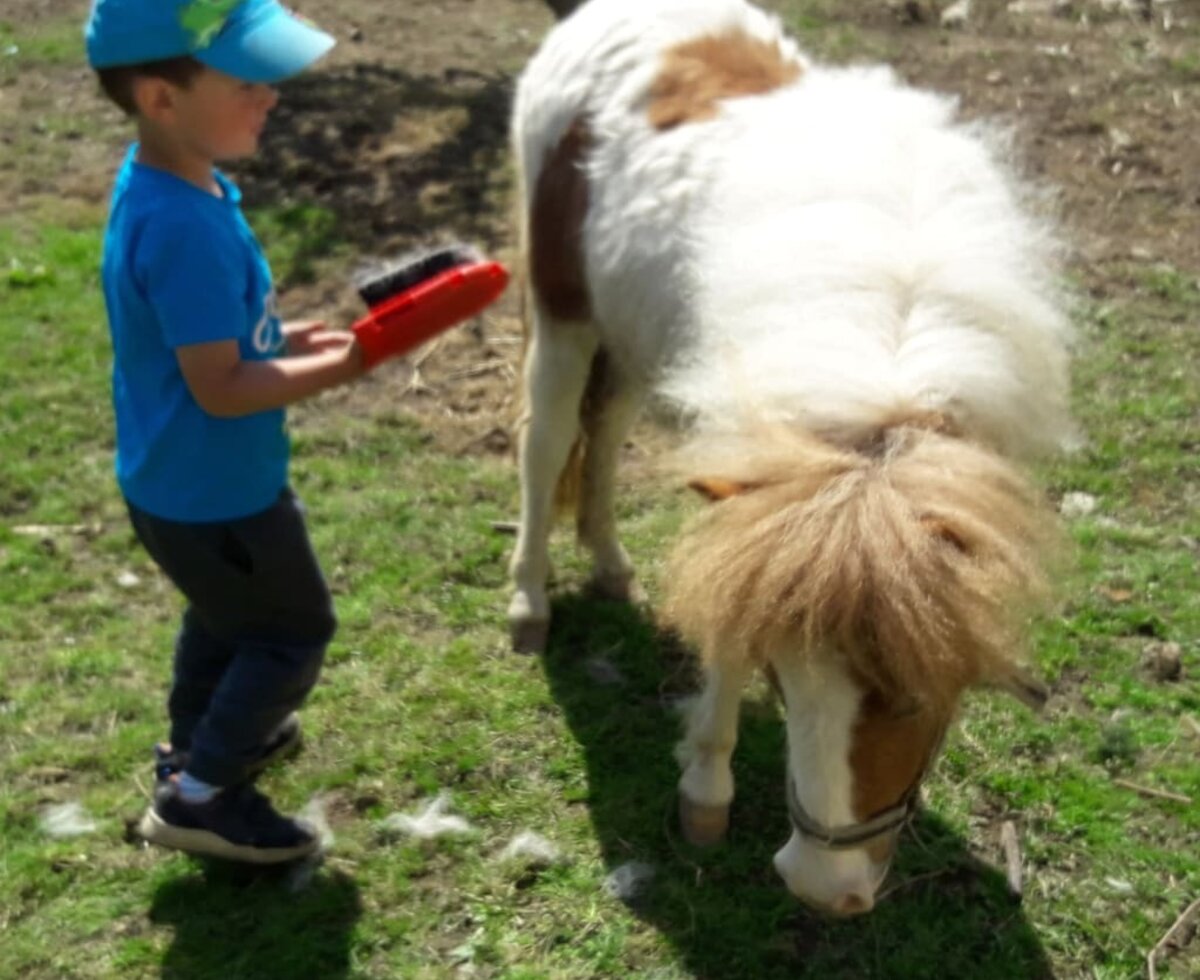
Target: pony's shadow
{"type": "Point", "coordinates": [240, 921]}
{"type": "Point", "coordinates": [618, 679]}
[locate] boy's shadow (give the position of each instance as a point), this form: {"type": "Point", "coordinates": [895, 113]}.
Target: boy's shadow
{"type": "Point", "coordinates": [235, 921]}
{"type": "Point", "coordinates": [616, 676]}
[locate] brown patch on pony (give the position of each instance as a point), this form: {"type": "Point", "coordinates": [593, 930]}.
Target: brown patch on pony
{"type": "Point", "coordinates": [841, 554]}
{"type": "Point", "coordinates": [560, 205]}
{"type": "Point", "coordinates": [888, 754]}
{"type": "Point", "coordinates": [698, 74]}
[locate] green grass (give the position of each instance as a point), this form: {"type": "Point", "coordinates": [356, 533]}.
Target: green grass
{"type": "Point", "coordinates": [421, 694]}
{"type": "Point", "coordinates": [298, 237]}
{"type": "Point", "coordinates": [55, 42]}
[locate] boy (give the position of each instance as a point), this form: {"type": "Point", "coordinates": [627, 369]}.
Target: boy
{"type": "Point", "coordinates": [202, 369]}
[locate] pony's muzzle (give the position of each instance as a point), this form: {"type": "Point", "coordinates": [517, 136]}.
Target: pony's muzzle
{"type": "Point", "coordinates": [839, 884]}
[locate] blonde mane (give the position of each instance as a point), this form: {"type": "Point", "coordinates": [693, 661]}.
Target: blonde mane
{"type": "Point", "coordinates": [916, 563]}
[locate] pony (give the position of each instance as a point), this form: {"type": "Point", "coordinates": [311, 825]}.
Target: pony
{"type": "Point", "coordinates": [849, 301]}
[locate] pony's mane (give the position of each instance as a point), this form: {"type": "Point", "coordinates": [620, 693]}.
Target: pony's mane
{"type": "Point", "coordinates": [915, 562]}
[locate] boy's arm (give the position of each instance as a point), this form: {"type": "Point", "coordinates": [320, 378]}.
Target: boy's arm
{"type": "Point", "coordinates": [226, 386]}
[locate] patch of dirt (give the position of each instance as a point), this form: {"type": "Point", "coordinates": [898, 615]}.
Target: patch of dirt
{"type": "Point", "coordinates": [403, 134]}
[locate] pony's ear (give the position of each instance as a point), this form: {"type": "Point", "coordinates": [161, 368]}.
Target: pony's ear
{"type": "Point", "coordinates": [944, 531]}
{"type": "Point", "coordinates": [1023, 686]}
{"type": "Point", "coordinates": [714, 488]}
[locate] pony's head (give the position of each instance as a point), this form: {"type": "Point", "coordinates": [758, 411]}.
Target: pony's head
{"type": "Point", "coordinates": [874, 588]}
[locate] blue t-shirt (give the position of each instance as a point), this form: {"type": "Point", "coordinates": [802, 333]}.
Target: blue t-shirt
{"type": "Point", "coordinates": [181, 266]}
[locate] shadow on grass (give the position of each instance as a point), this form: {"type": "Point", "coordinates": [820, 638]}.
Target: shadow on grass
{"type": "Point", "coordinates": [724, 909]}
{"type": "Point", "coordinates": [233, 921]}
{"type": "Point", "coordinates": [395, 157]}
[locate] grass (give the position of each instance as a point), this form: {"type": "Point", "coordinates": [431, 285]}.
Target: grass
{"type": "Point", "coordinates": [420, 694]}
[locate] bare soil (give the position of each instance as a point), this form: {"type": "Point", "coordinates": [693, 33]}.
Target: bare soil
{"type": "Point", "coordinates": [403, 134]}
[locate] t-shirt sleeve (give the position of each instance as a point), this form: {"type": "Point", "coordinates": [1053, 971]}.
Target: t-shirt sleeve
{"type": "Point", "coordinates": [194, 277]}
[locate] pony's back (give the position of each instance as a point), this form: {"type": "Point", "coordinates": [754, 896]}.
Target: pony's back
{"type": "Point", "coordinates": [861, 257]}
{"type": "Point", "coordinates": [836, 251]}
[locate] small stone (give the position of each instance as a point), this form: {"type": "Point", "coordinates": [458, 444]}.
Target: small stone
{"type": "Point", "coordinates": [627, 882]}
{"type": "Point", "coordinates": [957, 14]}
{"type": "Point", "coordinates": [128, 580]}
{"type": "Point", "coordinates": [1163, 660]}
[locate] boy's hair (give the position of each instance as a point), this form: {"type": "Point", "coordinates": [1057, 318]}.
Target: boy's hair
{"type": "Point", "coordinates": [117, 82]}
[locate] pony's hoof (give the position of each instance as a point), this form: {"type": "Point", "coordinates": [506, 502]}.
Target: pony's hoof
{"type": "Point", "coordinates": [617, 588]}
{"type": "Point", "coordinates": [529, 635]}
{"type": "Point", "coordinates": [702, 825]}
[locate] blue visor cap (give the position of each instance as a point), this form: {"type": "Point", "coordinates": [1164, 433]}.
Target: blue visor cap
{"type": "Point", "coordinates": [252, 40]}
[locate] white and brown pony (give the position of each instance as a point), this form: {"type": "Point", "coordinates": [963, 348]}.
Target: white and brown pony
{"type": "Point", "coordinates": [839, 290]}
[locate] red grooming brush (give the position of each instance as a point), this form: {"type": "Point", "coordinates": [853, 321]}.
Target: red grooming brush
{"type": "Point", "coordinates": [423, 295]}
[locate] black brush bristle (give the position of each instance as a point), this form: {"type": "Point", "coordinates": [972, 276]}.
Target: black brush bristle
{"type": "Point", "coordinates": [409, 270]}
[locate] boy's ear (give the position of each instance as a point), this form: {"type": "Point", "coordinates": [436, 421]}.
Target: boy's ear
{"type": "Point", "coordinates": [154, 98]}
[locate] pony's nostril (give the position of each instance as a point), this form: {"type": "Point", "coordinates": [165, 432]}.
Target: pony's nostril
{"type": "Point", "coordinates": [854, 903]}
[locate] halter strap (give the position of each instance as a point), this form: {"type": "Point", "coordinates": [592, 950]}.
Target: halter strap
{"type": "Point", "coordinates": [849, 836]}
{"type": "Point", "coordinates": [852, 835]}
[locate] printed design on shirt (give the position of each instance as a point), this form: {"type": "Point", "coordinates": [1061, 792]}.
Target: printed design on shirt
{"type": "Point", "coordinates": [267, 337]}
{"type": "Point", "coordinates": [203, 20]}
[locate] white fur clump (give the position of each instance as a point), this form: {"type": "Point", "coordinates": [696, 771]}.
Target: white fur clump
{"type": "Point", "coordinates": [301, 874]}
{"type": "Point", "coordinates": [430, 823]}
{"type": "Point", "coordinates": [1077, 504]}
{"type": "Point", "coordinates": [313, 814]}
{"type": "Point", "coordinates": [533, 850]}
{"type": "Point", "coordinates": [67, 820]}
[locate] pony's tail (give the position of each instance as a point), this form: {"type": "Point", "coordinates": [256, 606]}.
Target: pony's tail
{"type": "Point", "coordinates": [916, 560]}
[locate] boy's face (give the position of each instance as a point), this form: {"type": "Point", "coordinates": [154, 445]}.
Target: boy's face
{"type": "Point", "coordinates": [216, 116]}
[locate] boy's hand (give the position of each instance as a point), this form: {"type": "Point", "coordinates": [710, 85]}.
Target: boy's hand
{"type": "Point", "coordinates": [313, 337]}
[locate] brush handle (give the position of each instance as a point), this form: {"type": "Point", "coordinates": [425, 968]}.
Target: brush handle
{"type": "Point", "coordinates": [402, 322]}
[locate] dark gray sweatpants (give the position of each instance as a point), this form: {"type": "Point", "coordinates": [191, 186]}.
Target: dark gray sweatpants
{"type": "Point", "coordinates": [254, 632]}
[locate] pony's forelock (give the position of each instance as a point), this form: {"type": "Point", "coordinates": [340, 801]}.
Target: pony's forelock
{"type": "Point", "coordinates": [916, 564]}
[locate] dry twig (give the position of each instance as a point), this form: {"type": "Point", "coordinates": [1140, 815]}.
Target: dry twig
{"type": "Point", "coordinates": [476, 371]}
{"type": "Point", "coordinates": [1012, 857]}
{"type": "Point", "coordinates": [1152, 956]}
{"type": "Point", "coordinates": [1158, 794]}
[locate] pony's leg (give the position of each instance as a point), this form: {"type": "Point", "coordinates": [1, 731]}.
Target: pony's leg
{"type": "Point", "coordinates": [611, 414]}
{"type": "Point", "coordinates": [706, 787]}
{"type": "Point", "coordinates": [556, 372]}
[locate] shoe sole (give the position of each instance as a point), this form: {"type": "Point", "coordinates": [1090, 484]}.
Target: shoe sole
{"type": "Point", "coordinates": [207, 844]}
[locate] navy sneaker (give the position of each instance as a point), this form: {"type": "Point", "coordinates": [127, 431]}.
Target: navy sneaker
{"type": "Point", "coordinates": [285, 742]}
{"type": "Point", "coordinates": [238, 824]}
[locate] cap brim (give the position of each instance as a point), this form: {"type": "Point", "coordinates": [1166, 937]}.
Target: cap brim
{"type": "Point", "coordinates": [266, 50]}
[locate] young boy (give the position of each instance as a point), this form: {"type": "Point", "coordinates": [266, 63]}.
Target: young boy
{"type": "Point", "coordinates": [202, 369]}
